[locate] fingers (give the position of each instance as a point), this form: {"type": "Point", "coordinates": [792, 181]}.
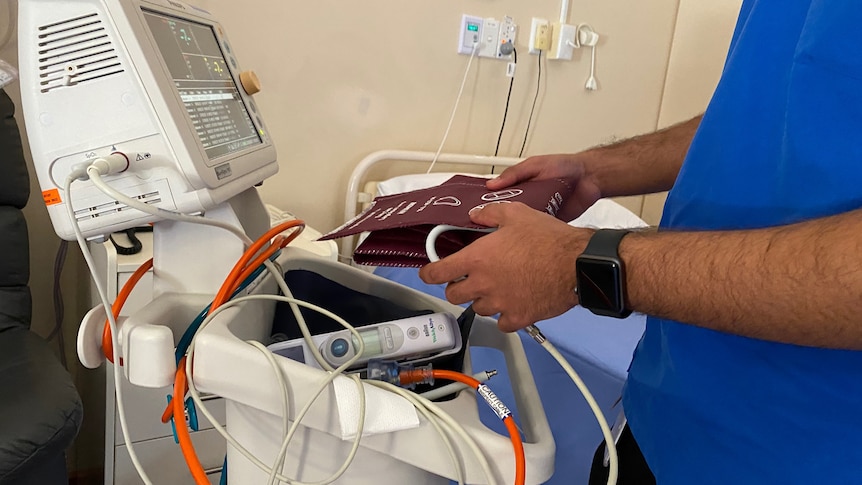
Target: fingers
{"type": "Point", "coordinates": [483, 307]}
{"type": "Point", "coordinates": [458, 292]}
{"type": "Point", "coordinates": [441, 272]}
{"type": "Point", "coordinates": [500, 214]}
{"type": "Point", "coordinates": [502, 181]}
{"type": "Point", "coordinates": [508, 324]}
{"type": "Point", "coordinates": [513, 175]}
{"type": "Point", "coordinates": [505, 321]}
{"type": "Point", "coordinates": [491, 215]}
{"type": "Point", "coordinates": [458, 265]}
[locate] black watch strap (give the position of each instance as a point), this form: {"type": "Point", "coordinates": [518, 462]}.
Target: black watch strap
{"type": "Point", "coordinates": [606, 242]}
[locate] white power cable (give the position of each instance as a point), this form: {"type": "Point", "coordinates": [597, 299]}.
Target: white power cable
{"type": "Point", "coordinates": [438, 426]}
{"type": "Point", "coordinates": [589, 38]}
{"type": "Point", "coordinates": [298, 418]}
{"type": "Point", "coordinates": [303, 326]}
{"type": "Point", "coordinates": [103, 297]}
{"type": "Point", "coordinates": [454, 108]}
{"type": "Point", "coordinates": [446, 418]}
{"type": "Point", "coordinates": [591, 401]}
{"type": "Point", "coordinates": [96, 178]}
{"type": "Point", "coordinates": [592, 84]}
{"type": "Point", "coordinates": [285, 400]}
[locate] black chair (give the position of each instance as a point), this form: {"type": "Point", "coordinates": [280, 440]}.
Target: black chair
{"type": "Point", "coordinates": [40, 410]}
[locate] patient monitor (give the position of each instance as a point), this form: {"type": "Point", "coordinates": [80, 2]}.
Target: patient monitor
{"type": "Point", "coordinates": [156, 80]}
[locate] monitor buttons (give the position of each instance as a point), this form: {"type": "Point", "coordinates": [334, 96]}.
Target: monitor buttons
{"type": "Point", "coordinates": [339, 347]}
{"type": "Point", "coordinates": [250, 82]}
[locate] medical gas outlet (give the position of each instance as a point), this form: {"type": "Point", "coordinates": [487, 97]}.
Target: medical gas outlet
{"type": "Point", "coordinates": [488, 36]}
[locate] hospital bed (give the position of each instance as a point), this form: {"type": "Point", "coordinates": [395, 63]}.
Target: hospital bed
{"type": "Point", "coordinates": [599, 348]}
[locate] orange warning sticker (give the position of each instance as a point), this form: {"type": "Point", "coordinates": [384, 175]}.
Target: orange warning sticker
{"type": "Point", "coordinates": [51, 197]}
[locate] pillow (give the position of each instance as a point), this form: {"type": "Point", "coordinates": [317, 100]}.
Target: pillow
{"type": "Point", "coordinates": [406, 183]}
{"type": "Point", "coordinates": [608, 214]}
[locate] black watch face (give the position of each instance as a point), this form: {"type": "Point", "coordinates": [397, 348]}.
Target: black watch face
{"type": "Point", "coordinates": [599, 286]}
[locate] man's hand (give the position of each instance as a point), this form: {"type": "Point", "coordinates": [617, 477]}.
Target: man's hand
{"type": "Point", "coordinates": [543, 167]}
{"type": "Point", "coordinates": [525, 271]}
{"type": "Point", "coordinates": [641, 165]}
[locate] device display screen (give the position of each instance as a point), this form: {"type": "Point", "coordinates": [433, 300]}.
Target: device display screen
{"type": "Point", "coordinates": [206, 86]}
{"type": "Point", "coordinates": [592, 277]}
{"type": "Point", "coordinates": [294, 353]}
{"type": "Point", "coordinates": [371, 339]}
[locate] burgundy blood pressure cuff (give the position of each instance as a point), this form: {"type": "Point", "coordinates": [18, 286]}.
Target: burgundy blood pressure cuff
{"type": "Point", "coordinates": [397, 225]}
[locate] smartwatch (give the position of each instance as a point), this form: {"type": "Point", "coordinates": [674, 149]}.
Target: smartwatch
{"type": "Point", "coordinates": [601, 276]}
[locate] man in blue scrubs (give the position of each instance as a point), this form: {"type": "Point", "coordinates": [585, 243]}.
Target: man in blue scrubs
{"type": "Point", "coordinates": [750, 369]}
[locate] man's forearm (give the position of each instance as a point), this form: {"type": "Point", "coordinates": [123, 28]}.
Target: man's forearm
{"type": "Point", "coordinates": [643, 164]}
{"type": "Point", "coordinates": [799, 284]}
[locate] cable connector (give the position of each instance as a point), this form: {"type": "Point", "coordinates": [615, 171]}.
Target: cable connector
{"type": "Point", "coordinates": [403, 375]}
{"type": "Point", "coordinates": [535, 333]}
{"type": "Point", "coordinates": [114, 163]}
{"type": "Point", "coordinates": [191, 416]}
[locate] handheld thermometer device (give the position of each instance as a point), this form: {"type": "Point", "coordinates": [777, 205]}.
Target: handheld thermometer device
{"type": "Point", "coordinates": [408, 338]}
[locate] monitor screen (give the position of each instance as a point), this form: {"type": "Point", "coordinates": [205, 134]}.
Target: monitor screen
{"type": "Point", "coordinates": [206, 86]}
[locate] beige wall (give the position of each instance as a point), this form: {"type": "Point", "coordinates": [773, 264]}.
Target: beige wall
{"type": "Point", "coordinates": [343, 79]}
{"type": "Point", "coordinates": [700, 40]}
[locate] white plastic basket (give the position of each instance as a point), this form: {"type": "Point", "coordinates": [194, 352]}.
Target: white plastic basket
{"type": "Point", "coordinates": [227, 366]}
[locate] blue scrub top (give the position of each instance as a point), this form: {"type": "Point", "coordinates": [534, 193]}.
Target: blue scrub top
{"type": "Point", "coordinates": [780, 142]}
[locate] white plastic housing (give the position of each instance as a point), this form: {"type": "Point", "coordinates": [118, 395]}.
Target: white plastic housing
{"type": "Point", "coordinates": [226, 365]}
{"type": "Point", "coordinates": [565, 39]}
{"type": "Point", "coordinates": [153, 346]}
{"type": "Point", "coordinates": [415, 337]}
{"type": "Point", "coordinates": [490, 38]}
{"type": "Point", "coordinates": [93, 81]}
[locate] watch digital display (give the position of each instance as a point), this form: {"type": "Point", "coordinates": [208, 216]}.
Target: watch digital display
{"type": "Point", "coordinates": [598, 281]}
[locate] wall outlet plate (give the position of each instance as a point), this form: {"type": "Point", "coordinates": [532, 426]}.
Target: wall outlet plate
{"type": "Point", "coordinates": [508, 31]}
{"type": "Point", "coordinates": [540, 35]}
{"type": "Point", "coordinates": [471, 31]}
{"type": "Point", "coordinates": [489, 41]}
{"type": "Point", "coordinates": [565, 39]}
{"type": "Point", "coordinates": [487, 35]}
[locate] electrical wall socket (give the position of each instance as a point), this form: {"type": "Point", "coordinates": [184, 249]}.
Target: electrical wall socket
{"type": "Point", "coordinates": [540, 35]}
{"type": "Point", "coordinates": [490, 38]}
{"type": "Point", "coordinates": [508, 30]}
{"type": "Point", "coordinates": [486, 35]}
{"type": "Point", "coordinates": [563, 42]}
{"type": "Point", "coordinates": [470, 33]}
